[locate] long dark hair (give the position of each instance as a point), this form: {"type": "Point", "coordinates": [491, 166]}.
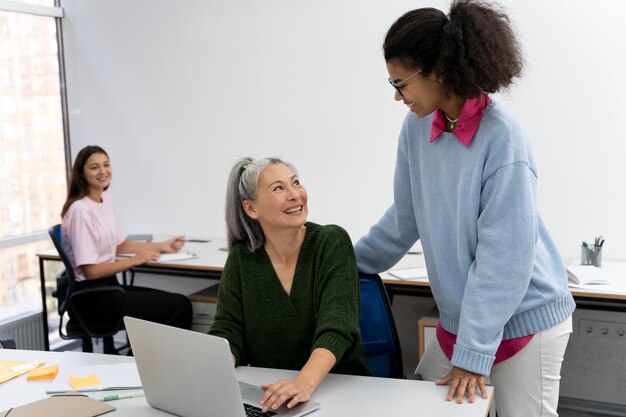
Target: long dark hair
{"type": "Point", "coordinates": [78, 187]}
{"type": "Point", "coordinates": [472, 50]}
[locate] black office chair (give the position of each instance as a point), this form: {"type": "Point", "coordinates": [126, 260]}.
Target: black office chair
{"type": "Point", "coordinates": [378, 329]}
{"type": "Point", "coordinates": [70, 300]}
{"type": "Point", "coordinates": [6, 342]}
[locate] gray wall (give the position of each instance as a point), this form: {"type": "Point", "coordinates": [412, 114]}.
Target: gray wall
{"type": "Point", "coordinates": [177, 90]}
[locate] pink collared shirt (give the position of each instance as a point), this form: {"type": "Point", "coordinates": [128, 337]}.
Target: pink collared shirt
{"type": "Point", "coordinates": [469, 119]}
{"type": "Point", "coordinates": [507, 348]}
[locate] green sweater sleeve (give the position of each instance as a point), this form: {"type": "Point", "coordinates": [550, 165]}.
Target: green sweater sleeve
{"type": "Point", "coordinates": [228, 321]}
{"type": "Point", "coordinates": [337, 293]}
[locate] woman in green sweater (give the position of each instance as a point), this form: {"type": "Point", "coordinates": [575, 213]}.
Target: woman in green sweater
{"type": "Point", "coordinates": [289, 292]}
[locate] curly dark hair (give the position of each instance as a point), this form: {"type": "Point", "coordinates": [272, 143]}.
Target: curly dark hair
{"type": "Point", "coordinates": [473, 50]}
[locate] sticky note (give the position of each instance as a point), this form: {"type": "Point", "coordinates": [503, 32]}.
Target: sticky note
{"type": "Point", "coordinates": [87, 381]}
{"type": "Point", "coordinates": [45, 372]}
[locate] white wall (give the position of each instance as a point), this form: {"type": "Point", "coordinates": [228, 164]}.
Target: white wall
{"type": "Point", "coordinates": [177, 90]}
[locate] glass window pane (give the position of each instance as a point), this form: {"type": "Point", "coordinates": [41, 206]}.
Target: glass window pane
{"type": "Point", "coordinates": [32, 155]}
{"type": "Point", "coordinates": [32, 161]}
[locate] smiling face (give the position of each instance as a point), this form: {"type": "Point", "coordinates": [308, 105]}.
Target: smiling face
{"type": "Point", "coordinates": [97, 172]}
{"type": "Point", "coordinates": [281, 200]}
{"type": "Point", "coordinates": [422, 94]}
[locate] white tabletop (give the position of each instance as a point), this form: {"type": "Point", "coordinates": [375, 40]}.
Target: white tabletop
{"type": "Point", "coordinates": [211, 256]}
{"type": "Point", "coordinates": [339, 395]}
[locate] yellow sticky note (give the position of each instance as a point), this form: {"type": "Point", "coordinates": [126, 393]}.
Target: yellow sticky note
{"type": "Point", "coordinates": [45, 372]}
{"type": "Point", "coordinates": [86, 381]}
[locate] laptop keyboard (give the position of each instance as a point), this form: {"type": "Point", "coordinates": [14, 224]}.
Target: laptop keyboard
{"type": "Point", "coordinates": [252, 411]}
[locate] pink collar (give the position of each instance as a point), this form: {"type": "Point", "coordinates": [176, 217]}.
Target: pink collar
{"type": "Point", "coordinates": [469, 119]}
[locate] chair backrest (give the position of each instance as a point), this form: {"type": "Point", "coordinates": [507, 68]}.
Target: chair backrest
{"type": "Point", "coordinates": [6, 342]}
{"type": "Point", "coordinates": [72, 301]}
{"type": "Point", "coordinates": [65, 280]}
{"type": "Point", "coordinates": [378, 329]}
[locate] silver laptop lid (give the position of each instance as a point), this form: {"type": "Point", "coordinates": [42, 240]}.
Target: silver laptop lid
{"type": "Point", "coordinates": [184, 372]}
{"type": "Point", "coordinates": [191, 374]}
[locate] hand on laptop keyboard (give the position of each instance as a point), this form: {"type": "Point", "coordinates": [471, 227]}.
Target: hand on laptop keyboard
{"type": "Point", "coordinates": [252, 411]}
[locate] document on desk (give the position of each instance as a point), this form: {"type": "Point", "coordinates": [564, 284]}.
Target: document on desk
{"type": "Point", "coordinates": [166, 257]}
{"type": "Point", "coordinates": [409, 273]}
{"type": "Point", "coordinates": [103, 377]}
{"type": "Point", "coordinates": [581, 275]}
{"type": "Point", "coordinates": [11, 369]}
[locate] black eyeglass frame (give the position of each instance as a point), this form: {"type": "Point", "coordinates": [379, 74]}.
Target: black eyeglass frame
{"type": "Point", "coordinates": [398, 85]}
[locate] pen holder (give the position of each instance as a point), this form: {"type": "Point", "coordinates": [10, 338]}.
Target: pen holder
{"type": "Point", "coordinates": [591, 255]}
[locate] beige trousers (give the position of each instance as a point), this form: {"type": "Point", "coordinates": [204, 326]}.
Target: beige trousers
{"type": "Point", "coordinates": [526, 385]}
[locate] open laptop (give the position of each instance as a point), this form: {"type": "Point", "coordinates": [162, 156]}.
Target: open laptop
{"type": "Point", "coordinates": [191, 374]}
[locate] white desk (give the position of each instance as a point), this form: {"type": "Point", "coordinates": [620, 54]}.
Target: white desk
{"type": "Point", "coordinates": [208, 265]}
{"type": "Point", "coordinates": [605, 297]}
{"type": "Point", "coordinates": [339, 395]}
{"type": "Point", "coordinates": [212, 257]}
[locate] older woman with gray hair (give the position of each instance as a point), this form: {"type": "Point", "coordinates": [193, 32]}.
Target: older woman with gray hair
{"type": "Point", "coordinates": [289, 292]}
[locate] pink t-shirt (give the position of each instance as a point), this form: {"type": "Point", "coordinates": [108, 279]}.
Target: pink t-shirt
{"type": "Point", "coordinates": [90, 233]}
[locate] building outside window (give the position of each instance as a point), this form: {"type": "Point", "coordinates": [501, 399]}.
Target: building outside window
{"type": "Point", "coordinates": [32, 158]}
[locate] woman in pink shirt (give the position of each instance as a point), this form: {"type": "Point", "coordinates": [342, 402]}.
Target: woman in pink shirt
{"type": "Point", "coordinates": [91, 238]}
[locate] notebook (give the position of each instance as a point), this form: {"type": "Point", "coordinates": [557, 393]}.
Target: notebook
{"type": "Point", "coordinates": [191, 374]}
{"type": "Point", "coordinates": [107, 377]}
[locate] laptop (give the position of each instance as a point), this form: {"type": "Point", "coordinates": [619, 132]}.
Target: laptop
{"type": "Point", "coordinates": [191, 374]}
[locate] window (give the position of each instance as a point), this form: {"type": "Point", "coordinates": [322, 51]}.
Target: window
{"type": "Point", "coordinates": [32, 153]}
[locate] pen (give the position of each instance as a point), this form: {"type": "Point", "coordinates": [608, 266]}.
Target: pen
{"type": "Point", "coordinates": [123, 396]}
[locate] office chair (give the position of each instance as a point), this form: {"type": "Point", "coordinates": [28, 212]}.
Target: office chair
{"type": "Point", "coordinates": [378, 329]}
{"type": "Point", "coordinates": [6, 342]}
{"type": "Point", "coordinates": [70, 300]}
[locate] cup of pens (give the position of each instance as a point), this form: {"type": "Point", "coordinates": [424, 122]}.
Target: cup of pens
{"type": "Point", "coordinates": [591, 254]}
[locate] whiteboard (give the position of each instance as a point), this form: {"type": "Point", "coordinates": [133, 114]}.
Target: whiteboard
{"type": "Point", "coordinates": [176, 91]}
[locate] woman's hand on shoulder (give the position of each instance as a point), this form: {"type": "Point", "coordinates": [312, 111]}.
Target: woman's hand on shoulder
{"type": "Point", "coordinates": [145, 256]}
{"type": "Point", "coordinates": [173, 244]}
{"type": "Point", "coordinates": [278, 393]}
{"type": "Point", "coordinates": [462, 381]}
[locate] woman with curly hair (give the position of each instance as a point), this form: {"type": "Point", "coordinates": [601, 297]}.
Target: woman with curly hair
{"type": "Point", "coordinates": [465, 185]}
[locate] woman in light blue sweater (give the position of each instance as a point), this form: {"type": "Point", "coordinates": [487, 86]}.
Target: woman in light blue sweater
{"type": "Point", "coordinates": [465, 185]}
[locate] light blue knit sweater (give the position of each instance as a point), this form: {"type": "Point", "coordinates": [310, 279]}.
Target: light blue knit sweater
{"type": "Point", "coordinates": [494, 271]}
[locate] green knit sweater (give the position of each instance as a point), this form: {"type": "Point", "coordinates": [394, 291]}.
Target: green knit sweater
{"type": "Point", "coordinates": [269, 328]}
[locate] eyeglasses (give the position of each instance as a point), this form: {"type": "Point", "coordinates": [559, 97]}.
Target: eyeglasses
{"type": "Point", "coordinates": [402, 83]}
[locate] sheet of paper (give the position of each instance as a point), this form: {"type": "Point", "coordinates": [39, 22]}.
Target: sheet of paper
{"type": "Point", "coordinates": [165, 257]}
{"type": "Point", "coordinates": [587, 275]}
{"type": "Point", "coordinates": [409, 273]}
{"type": "Point", "coordinates": [178, 256]}
{"type": "Point", "coordinates": [11, 369]}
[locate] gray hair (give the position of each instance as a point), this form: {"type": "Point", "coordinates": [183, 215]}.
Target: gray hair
{"type": "Point", "coordinates": [242, 185]}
